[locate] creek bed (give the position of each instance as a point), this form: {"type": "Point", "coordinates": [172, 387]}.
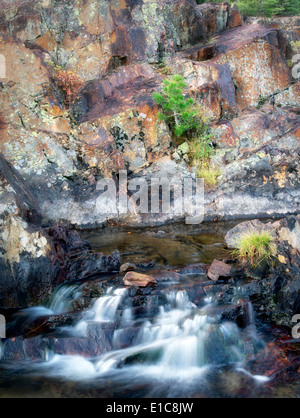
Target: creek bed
{"type": "Point", "coordinates": [173, 340]}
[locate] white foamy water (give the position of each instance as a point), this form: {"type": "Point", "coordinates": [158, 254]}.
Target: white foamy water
{"type": "Point", "coordinates": [181, 342]}
{"type": "Point", "coordinates": [105, 307]}
{"type": "Point", "coordinates": [62, 298]}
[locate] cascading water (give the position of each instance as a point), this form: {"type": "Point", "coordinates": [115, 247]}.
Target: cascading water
{"type": "Point", "coordinates": [179, 342]}
{"type": "Point", "coordinates": [61, 300]}
{"type": "Point", "coordinates": [171, 340]}
{"type": "Point", "coordinates": [105, 307]}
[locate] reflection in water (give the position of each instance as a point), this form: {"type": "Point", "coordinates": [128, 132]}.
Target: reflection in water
{"type": "Point", "coordinates": [166, 248]}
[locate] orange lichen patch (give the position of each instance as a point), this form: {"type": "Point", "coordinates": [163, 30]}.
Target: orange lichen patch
{"type": "Point", "coordinates": [23, 69]}
{"type": "Point", "coordinates": [150, 123]}
{"type": "Point", "coordinates": [289, 97]}
{"type": "Point", "coordinates": [297, 30]}
{"type": "Point", "coordinates": [95, 18]}
{"type": "Point", "coordinates": [118, 161]}
{"type": "Point", "coordinates": [2, 127]}
{"type": "Point", "coordinates": [259, 71]}
{"type": "Point", "coordinates": [56, 120]}
{"type": "Point", "coordinates": [137, 133]}
{"type": "Point", "coordinates": [99, 138]}
{"type": "Point", "coordinates": [281, 178]}
{"type": "Point", "coordinates": [69, 83]}
{"type": "Point", "coordinates": [42, 148]}
{"type": "Point", "coordinates": [56, 111]}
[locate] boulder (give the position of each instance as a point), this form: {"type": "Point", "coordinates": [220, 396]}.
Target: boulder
{"type": "Point", "coordinates": [218, 271]}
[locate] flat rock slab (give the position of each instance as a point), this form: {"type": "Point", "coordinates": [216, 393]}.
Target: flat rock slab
{"type": "Point", "coordinates": [137, 279]}
{"type": "Point", "coordinates": [219, 270]}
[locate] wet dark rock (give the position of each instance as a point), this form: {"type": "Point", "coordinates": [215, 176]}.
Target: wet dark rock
{"type": "Point", "coordinates": [97, 342]}
{"type": "Point", "coordinates": [240, 313]}
{"type": "Point", "coordinates": [22, 324]}
{"type": "Point", "coordinates": [125, 337]}
{"type": "Point", "coordinates": [87, 266]}
{"type": "Point", "coordinates": [193, 269]}
{"type": "Point", "coordinates": [102, 335]}
{"type": "Point", "coordinates": [168, 276]}
{"type": "Point", "coordinates": [147, 265]}
{"type": "Point", "coordinates": [22, 349]}
{"type": "Point", "coordinates": [80, 304]}
{"type": "Point", "coordinates": [139, 291]}
{"type": "Point", "coordinates": [62, 320]}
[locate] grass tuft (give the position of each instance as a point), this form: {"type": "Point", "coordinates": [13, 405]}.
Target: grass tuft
{"type": "Point", "coordinates": [209, 173]}
{"type": "Point", "coordinates": [254, 247]}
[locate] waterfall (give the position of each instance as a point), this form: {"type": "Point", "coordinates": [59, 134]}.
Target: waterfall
{"type": "Point", "coordinates": [62, 298]}
{"type": "Point", "coordinates": [105, 307]}
{"type": "Point", "coordinates": [179, 342]}
{"type": "Point", "coordinates": [180, 336]}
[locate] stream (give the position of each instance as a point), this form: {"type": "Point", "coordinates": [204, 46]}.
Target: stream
{"type": "Point", "coordinates": [102, 339]}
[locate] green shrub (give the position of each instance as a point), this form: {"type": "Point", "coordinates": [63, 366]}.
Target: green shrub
{"type": "Point", "coordinates": [185, 117]}
{"type": "Point", "coordinates": [265, 8]}
{"type": "Point", "coordinates": [178, 110]}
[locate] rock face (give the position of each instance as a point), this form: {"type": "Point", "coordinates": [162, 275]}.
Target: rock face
{"type": "Point", "coordinates": [259, 155]}
{"type": "Point", "coordinates": [34, 260]}
{"type": "Point", "coordinates": [24, 249]}
{"type": "Point", "coordinates": [121, 51]}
